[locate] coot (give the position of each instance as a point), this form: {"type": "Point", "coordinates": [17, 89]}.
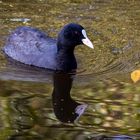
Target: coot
{"type": "Point", "coordinates": [34, 47]}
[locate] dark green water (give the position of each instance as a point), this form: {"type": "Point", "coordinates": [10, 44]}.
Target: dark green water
{"type": "Point", "coordinates": [103, 80]}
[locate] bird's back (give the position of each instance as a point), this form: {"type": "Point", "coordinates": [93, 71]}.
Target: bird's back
{"type": "Point", "coordinates": [31, 46]}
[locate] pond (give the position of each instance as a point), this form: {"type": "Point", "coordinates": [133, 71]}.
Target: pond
{"type": "Point", "coordinates": [102, 82]}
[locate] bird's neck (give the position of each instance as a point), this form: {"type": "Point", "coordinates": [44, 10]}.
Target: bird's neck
{"type": "Point", "coordinates": [65, 58]}
{"type": "Point", "coordinates": [65, 49]}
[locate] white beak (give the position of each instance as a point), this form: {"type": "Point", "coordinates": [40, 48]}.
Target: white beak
{"type": "Point", "coordinates": [86, 41]}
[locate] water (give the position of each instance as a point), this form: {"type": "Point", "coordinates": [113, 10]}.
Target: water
{"type": "Point", "coordinates": [102, 81]}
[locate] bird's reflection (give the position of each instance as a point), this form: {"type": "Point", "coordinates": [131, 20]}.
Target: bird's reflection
{"type": "Point", "coordinates": [65, 108]}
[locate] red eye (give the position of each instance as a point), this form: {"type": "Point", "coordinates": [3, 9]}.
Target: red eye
{"type": "Point", "coordinates": [77, 33]}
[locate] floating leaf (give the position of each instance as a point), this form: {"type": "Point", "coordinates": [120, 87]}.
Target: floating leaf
{"type": "Point", "coordinates": [135, 76]}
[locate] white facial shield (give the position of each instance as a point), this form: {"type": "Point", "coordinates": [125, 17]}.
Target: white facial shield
{"type": "Point", "coordinates": [86, 41]}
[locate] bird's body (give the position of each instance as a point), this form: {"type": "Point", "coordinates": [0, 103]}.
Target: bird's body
{"type": "Point", "coordinates": [33, 47]}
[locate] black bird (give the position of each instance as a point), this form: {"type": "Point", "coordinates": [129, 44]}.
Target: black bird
{"type": "Point", "coordinates": [34, 47]}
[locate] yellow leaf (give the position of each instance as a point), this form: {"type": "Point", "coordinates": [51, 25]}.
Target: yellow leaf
{"type": "Point", "coordinates": [135, 76]}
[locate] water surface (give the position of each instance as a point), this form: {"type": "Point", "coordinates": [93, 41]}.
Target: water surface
{"type": "Point", "coordinates": [103, 80]}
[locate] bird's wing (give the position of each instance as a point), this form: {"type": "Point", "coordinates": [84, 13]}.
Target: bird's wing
{"type": "Point", "coordinates": [31, 46]}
